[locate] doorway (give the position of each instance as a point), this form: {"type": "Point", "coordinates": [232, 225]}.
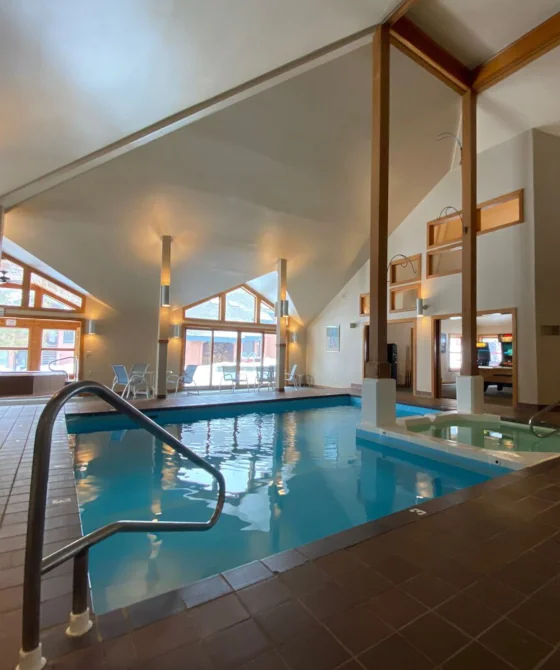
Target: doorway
{"type": "Point", "coordinates": [401, 352]}
{"type": "Point", "coordinates": [496, 353]}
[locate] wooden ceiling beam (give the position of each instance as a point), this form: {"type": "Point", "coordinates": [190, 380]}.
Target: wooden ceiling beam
{"type": "Point", "coordinates": [414, 42]}
{"type": "Point", "coordinates": [400, 11]}
{"type": "Point", "coordinates": [517, 55]}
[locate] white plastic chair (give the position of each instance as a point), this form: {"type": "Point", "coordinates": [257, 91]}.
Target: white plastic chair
{"type": "Point", "coordinates": [292, 378]}
{"type": "Point", "coordinates": [230, 374]}
{"type": "Point", "coordinates": [186, 378]}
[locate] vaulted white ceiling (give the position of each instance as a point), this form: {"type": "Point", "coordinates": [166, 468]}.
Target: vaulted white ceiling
{"type": "Point", "coordinates": [476, 30]}
{"type": "Point", "coordinates": [77, 75]}
{"type": "Point", "coordinates": [284, 173]}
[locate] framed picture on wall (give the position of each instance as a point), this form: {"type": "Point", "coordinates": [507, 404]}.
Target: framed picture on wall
{"type": "Point", "coordinates": [443, 343]}
{"type": "Point", "coordinates": [333, 338]}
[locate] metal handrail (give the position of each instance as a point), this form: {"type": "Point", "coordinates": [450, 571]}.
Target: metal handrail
{"type": "Point", "coordinates": [537, 415]}
{"type": "Point", "coordinates": [35, 566]}
{"type": "Point", "coordinates": [74, 359]}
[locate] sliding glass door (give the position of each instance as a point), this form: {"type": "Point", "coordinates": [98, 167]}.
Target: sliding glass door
{"type": "Point", "coordinates": [223, 355]}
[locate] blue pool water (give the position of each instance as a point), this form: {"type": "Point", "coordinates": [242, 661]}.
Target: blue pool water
{"type": "Point", "coordinates": [292, 477]}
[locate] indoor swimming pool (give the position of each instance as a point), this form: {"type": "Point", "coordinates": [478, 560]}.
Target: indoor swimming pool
{"type": "Point", "coordinates": [292, 476]}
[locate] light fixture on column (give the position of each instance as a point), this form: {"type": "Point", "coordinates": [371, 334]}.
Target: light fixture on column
{"type": "Point", "coordinates": [421, 307]}
{"type": "Point", "coordinates": [293, 336]}
{"type": "Point", "coordinates": [176, 330]}
{"type": "Point", "coordinates": [165, 294]}
{"type": "Point", "coordinates": [90, 327]}
{"type": "Point", "coordinates": [283, 309]}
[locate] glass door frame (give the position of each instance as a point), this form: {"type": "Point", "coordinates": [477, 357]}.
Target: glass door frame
{"type": "Point", "coordinates": [229, 327]}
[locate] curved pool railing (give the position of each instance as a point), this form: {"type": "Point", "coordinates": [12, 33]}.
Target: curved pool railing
{"type": "Point", "coordinates": [36, 566]}
{"type": "Point", "coordinates": [539, 414]}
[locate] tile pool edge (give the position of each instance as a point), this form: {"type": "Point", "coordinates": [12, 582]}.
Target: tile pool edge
{"type": "Point", "coordinates": [451, 452]}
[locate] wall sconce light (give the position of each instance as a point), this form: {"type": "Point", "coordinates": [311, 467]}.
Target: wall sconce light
{"type": "Point", "coordinates": [293, 336]}
{"type": "Point", "coordinates": [421, 307]}
{"type": "Point", "coordinates": [176, 330]}
{"type": "Point", "coordinates": [165, 294]}
{"type": "Point", "coordinates": [284, 309]}
{"type": "Point", "coordinates": [90, 327]}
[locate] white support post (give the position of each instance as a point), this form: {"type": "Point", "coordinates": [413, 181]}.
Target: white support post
{"type": "Point", "coordinates": [281, 326]}
{"type": "Point", "coordinates": [163, 325]}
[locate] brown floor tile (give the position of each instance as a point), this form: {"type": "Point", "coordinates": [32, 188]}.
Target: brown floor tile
{"type": "Point", "coordinates": [394, 568]}
{"type": "Point", "coordinates": [528, 572]}
{"type": "Point", "coordinates": [396, 608]}
{"type": "Point", "coordinates": [528, 508]}
{"type": "Point", "coordinates": [284, 561]}
{"type": "Point", "coordinates": [358, 628]}
{"type": "Point", "coordinates": [236, 646]}
{"type": "Point", "coordinates": [338, 563]}
{"type": "Point", "coordinates": [164, 636]}
{"type": "Point", "coordinates": [218, 614]}
{"type": "Point", "coordinates": [270, 660]}
{"type": "Point", "coordinates": [111, 625]}
{"type": "Point", "coordinates": [434, 637]}
{"type": "Point", "coordinates": [119, 653]}
{"type": "Point", "coordinates": [305, 579]}
{"type": "Point", "coordinates": [287, 621]}
{"type": "Point", "coordinates": [91, 657]}
{"type": "Point", "coordinates": [11, 599]}
{"type": "Point", "coordinates": [192, 656]}
{"type": "Point", "coordinates": [264, 595]}
{"type": "Point", "coordinates": [455, 573]}
{"type": "Point", "coordinates": [245, 575]}
{"type": "Point", "coordinates": [363, 583]}
{"type": "Point", "coordinates": [147, 611]}
{"type": "Point", "coordinates": [551, 493]}
{"type": "Point", "coordinates": [430, 590]}
{"type": "Point", "coordinates": [515, 645]}
{"type": "Point", "coordinates": [476, 657]}
{"type": "Point", "coordinates": [205, 590]}
{"type": "Point", "coordinates": [552, 662]}
{"type": "Point", "coordinates": [394, 653]}
{"type": "Point", "coordinates": [540, 615]}
{"type": "Point", "coordinates": [318, 651]}
{"type": "Point", "coordinates": [495, 595]}
{"type": "Point", "coordinates": [469, 615]}
{"type": "Point", "coordinates": [328, 601]}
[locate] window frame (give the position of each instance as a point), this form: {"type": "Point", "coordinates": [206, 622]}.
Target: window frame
{"type": "Point", "coordinates": [456, 336]}
{"type": "Point", "coordinates": [257, 323]}
{"type": "Point", "coordinates": [27, 286]}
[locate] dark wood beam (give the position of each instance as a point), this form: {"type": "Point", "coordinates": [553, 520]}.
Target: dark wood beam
{"type": "Point", "coordinates": [469, 365]}
{"type": "Point", "coordinates": [523, 51]}
{"type": "Point", "coordinates": [377, 366]}
{"type": "Point", "coordinates": [400, 11]}
{"type": "Point", "coordinates": [414, 42]}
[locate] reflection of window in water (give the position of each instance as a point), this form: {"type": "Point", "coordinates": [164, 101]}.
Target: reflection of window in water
{"type": "Point", "coordinates": [453, 432]}
{"type": "Point", "coordinates": [493, 434]}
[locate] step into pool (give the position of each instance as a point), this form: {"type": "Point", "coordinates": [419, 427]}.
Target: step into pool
{"type": "Point", "coordinates": [292, 476]}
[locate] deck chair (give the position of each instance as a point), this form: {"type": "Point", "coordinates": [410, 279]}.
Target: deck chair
{"type": "Point", "coordinates": [292, 378]}
{"type": "Point", "coordinates": [186, 378]}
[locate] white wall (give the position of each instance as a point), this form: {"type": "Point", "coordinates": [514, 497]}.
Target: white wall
{"type": "Point", "coordinates": [505, 275]}
{"type": "Point", "coordinates": [547, 246]}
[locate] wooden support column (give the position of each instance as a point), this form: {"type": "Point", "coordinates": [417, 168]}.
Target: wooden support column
{"type": "Point", "coordinates": [281, 326]}
{"type": "Point", "coordinates": [2, 217]}
{"type": "Point", "coordinates": [377, 366]}
{"type": "Point", "coordinates": [469, 365]}
{"type": "Point", "coordinates": [163, 325]}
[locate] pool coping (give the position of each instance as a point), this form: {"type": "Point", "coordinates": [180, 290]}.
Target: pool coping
{"type": "Point", "coordinates": [123, 620]}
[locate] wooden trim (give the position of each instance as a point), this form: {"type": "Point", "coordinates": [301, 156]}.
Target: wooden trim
{"type": "Point", "coordinates": [259, 299]}
{"type": "Point", "coordinates": [363, 298]}
{"type": "Point", "coordinates": [417, 258]}
{"type": "Point", "coordinates": [519, 193]}
{"type": "Point", "coordinates": [436, 331]}
{"type": "Point", "coordinates": [470, 227]}
{"type": "Point", "coordinates": [414, 42]}
{"type": "Point", "coordinates": [434, 252]}
{"type": "Point", "coordinates": [400, 11]}
{"type": "Point", "coordinates": [414, 323]}
{"type": "Point", "coordinates": [408, 287]}
{"type": "Point", "coordinates": [517, 55]}
{"type": "Point", "coordinates": [377, 366]}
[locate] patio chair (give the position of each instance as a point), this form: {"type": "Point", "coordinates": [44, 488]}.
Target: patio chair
{"type": "Point", "coordinates": [186, 378]}
{"type": "Point", "coordinates": [292, 378]}
{"type": "Point", "coordinates": [230, 374]}
{"type": "Point", "coordinates": [134, 382]}
{"type": "Point", "coordinates": [121, 379]}
{"type": "Point", "coordinates": [266, 377]}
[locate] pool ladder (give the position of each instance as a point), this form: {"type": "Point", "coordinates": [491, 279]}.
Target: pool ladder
{"type": "Point", "coordinates": [30, 654]}
{"type": "Point", "coordinates": [540, 413]}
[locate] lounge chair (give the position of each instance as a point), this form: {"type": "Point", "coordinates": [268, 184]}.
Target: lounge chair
{"type": "Point", "coordinates": [134, 382]}
{"type": "Point", "coordinates": [186, 378]}
{"type": "Point", "coordinates": [230, 374]}
{"type": "Point", "coordinates": [292, 378]}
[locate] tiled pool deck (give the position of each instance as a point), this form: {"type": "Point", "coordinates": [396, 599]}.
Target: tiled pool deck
{"type": "Point", "coordinates": [472, 583]}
